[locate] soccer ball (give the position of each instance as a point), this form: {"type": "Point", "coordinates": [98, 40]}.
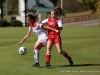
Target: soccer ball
{"type": "Point", "coordinates": [22, 50]}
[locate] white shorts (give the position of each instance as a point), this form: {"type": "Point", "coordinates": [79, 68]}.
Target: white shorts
{"type": "Point", "coordinates": [43, 40]}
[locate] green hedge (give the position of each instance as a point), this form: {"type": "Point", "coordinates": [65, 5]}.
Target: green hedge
{"type": "Point", "coordinates": [4, 23]}
{"type": "Point", "coordinates": [14, 23]}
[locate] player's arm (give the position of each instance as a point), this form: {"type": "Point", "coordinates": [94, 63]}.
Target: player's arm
{"type": "Point", "coordinates": [49, 28]}
{"type": "Point", "coordinates": [26, 37]}
{"type": "Point", "coordinates": [45, 21]}
{"type": "Point", "coordinates": [59, 28]}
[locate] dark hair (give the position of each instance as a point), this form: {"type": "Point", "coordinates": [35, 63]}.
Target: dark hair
{"type": "Point", "coordinates": [59, 11]}
{"type": "Point", "coordinates": [32, 17]}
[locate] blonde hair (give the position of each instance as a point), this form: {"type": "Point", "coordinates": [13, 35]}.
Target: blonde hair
{"type": "Point", "coordinates": [59, 11]}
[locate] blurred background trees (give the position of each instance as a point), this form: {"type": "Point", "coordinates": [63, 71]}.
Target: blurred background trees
{"type": "Point", "coordinates": [10, 7]}
{"type": "Point", "coordinates": [70, 6]}
{"type": "Point", "coordinates": [89, 4]}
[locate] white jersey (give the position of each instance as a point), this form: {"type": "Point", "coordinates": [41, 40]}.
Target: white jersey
{"type": "Point", "coordinates": [36, 28]}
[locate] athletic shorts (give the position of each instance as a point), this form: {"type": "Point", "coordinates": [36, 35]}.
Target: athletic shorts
{"type": "Point", "coordinates": [43, 40]}
{"type": "Point", "coordinates": [54, 38]}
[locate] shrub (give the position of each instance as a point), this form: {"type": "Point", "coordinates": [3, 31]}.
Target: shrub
{"type": "Point", "coordinates": [4, 23]}
{"type": "Point", "coordinates": [16, 23]}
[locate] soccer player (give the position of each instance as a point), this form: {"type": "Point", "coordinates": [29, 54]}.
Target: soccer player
{"type": "Point", "coordinates": [54, 37]}
{"type": "Point", "coordinates": [39, 29]}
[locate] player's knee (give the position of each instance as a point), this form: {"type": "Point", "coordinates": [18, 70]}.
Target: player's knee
{"type": "Point", "coordinates": [48, 52]}
{"type": "Point", "coordinates": [36, 48]}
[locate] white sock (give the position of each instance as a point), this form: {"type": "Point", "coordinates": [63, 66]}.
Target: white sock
{"type": "Point", "coordinates": [36, 56]}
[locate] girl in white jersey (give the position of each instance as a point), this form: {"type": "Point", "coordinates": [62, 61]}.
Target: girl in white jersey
{"type": "Point", "coordinates": [37, 28]}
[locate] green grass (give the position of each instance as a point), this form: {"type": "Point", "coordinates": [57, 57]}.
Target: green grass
{"type": "Point", "coordinates": [81, 43]}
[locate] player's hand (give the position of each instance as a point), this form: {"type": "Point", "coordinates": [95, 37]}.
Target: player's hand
{"type": "Point", "coordinates": [20, 42]}
{"type": "Point", "coordinates": [57, 31]}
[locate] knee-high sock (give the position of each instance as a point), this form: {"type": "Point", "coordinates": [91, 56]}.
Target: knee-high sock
{"type": "Point", "coordinates": [36, 56]}
{"type": "Point", "coordinates": [65, 55]}
{"type": "Point", "coordinates": [48, 57]}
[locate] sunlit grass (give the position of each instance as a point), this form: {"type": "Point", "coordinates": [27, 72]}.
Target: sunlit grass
{"type": "Point", "coordinates": [81, 43]}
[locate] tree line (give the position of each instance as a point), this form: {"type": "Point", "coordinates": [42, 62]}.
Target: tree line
{"type": "Point", "coordinates": [90, 4]}
{"type": "Point", "coordinates": [87, 4]}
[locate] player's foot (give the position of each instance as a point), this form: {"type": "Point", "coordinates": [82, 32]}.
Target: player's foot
{"type": "Point", "coordinates": [36, 64]}
{"type": "Point", "coordinates": [48, 64]}
{"type": "Point", "coordinates": [71, 62]}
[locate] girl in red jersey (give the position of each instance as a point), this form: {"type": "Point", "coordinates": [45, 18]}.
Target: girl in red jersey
{"type": "Point", "coordinates": [39, 30]}
{"type": "Point", "coordinates": [53, 37]}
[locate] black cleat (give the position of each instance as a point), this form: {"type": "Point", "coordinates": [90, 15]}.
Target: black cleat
{"type": "Point", "coordinates": [35, 64]}
{"type": "Point", "coordinates": [71, 62]}
{"type": "Point", "coordinates": [48, 64]}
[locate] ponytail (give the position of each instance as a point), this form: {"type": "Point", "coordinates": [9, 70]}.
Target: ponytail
{"type": "Point", "coordinates": [59, 11]}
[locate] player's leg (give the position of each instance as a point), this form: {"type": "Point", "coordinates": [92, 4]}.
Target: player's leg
{"type": "Point", "coordinates": [59, 48]}
{"type": "Point", "coordinates": [36, 53]}
{"type": "Point", "coordinates": [64, 53]}
{"type": "Point", "coordinates": [58, 42]}
{"type": "Point", "coordinates": [48, 53]}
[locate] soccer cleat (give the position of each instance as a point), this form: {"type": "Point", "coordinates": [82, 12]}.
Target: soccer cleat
{"type": "Point", "coordinates": [48, 64]}
{"type": "Point", "coordinates": [71, 62]}
{"type": "Point", "coordinates": [36, 64]}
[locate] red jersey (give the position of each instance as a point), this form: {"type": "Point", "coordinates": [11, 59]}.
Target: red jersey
{"type": "Point", "coordinates": [53, 36]}
{"type": "Point", "coordinates": [53, 23]}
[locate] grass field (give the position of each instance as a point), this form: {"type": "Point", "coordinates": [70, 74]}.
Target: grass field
{"type": "Point", "coordinates": [81, 43]}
